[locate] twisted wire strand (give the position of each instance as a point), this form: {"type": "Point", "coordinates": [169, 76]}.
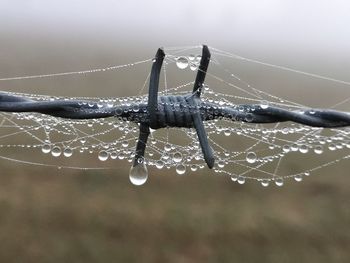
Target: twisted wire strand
{"type": "Point", "coordinates": [73, 109]}
{"type": "Point", "coordinates": [325, 118]}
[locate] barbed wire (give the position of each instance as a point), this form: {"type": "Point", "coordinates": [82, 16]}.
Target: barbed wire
{"type": "Point", "coordinates": [182, 111]}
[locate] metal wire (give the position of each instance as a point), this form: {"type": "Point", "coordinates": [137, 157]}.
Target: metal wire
{"type": "Point", "coordinates": [176, 111]}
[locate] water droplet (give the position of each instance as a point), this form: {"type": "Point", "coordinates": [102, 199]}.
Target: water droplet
{"type": "Point", "coordinates": [191, 57]}
{"type": "Point", "coordinates": [180, 169]}
{"type": "Point", "coordinates": [298, 178]}
{"type": "Point", "coordinates": [103, 156]}
{"type": "Point", "coordinates": [279, 181]}
{"type": "Point", "coordinates": [46, 148]}
{"type": "Point", "coordinates": [160, 164]}
{"type": "Point", "coordinates": [234, 177]}
{"type": "Point", "coordinates": [67, 152]}
{"type": "Point", "coordinates": [251, 157]}
{"type": "Point", "coordinates": [193, 66]}
{"type": "Point", "coordinates": [167, 147]}
{"type": "Point", "coordinates": [241, 180]}
{"type": "Point", "coordinates": [138, 174]}
{"type": "Point", "coordinates": [177, 157]}
{"type": "Point", "coordinates": [249, 117]}
{"type": "Point", "coordinates": [265, 182]}
{"type": "Point", "coordinates": [56, 151]}
{"type": "Point", "coordinates": [264, 104]}
{"type": "Point", "coordinates": [182, 62]}
{"type": "Point", "coordinates": [332, 147]}
{"type": "Point", "coordinates": [303, 148]}
{"type": "Point", "coordinates": [221, 164]}
{"type": "Point", "coordinates": [294, 147]}
{"type": "Point", "coordinates": [318, 149]}
{"type": "Point", "coordinates": [286, 148]}
{"type": "Point", "coordinates": [194, 167]}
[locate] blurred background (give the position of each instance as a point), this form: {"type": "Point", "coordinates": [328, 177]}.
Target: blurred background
{"type": "Point", "coordinates": [51, 215]}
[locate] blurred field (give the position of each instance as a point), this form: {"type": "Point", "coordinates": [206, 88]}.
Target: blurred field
{"type": "Point", "coordinates": [51, 215]}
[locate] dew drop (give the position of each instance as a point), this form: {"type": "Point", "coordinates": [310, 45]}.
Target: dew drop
{"type": "Point", "coordinates": [279, 181]}
{"type": "Point", "coordinates": [125, 144]}
{"type": "Point", "coordinates": [241, 180]}
{"type": "Point", "coordinates": [103, 156]}
{"type": "Point", "coordinates": [264, 104]}
{"type": "Point", "coordinates": [160, 164]}
{"type": "Point", "coordinates": [227, 132]}
{"type": "Point", "coordinates": [177, 157]}
{"type": "Point", "coordinates": [234, 177]}
{"type": "Point", "coordinates": [318, 149]}
{"type": "Point", "coordinates": [167, 147]}
{"type": "Point", "coordinates": [56, 151]}
{"type": "Point", "coordinates": [67, 152]}
{"type": "Point", "coordinates": [251, 157]}
{"type": "Point", "coordinates": [249, 117]}
{"type": "Point", "coordinates": [191, 57]}
{"type": "Point", "coordinates": [286, 148]}
{"type": "Point", "coordinates": [194, 167]}
{"type": "Point", "coordinates": [182, 62]}
{"type": "Point", "coordinates": [46, 148]}
{"type": "Point", "coordinates": [193, 66]}
{"type": "Point", "coordinates": [294, 147]}
{"type": "Point", "coordinates": [265, 183]}
{"type": "Point", "coordinates": [221, 164]}
{"type": "Point", "coordinates": [303, 148]}
{"type": "Point", "coordinates": [138, 174]}
{"type": "Point", "coordinates": [298, 178]}
{"type": "Point", "coordinates": [114, 155]}
{"type": "Point", "coordinates": [332, 147]}
{"type": "Point", "coordinates": [180, 169]}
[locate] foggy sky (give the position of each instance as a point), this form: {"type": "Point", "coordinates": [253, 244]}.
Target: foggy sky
{"type": "Point", "coordinates": [310, 25]}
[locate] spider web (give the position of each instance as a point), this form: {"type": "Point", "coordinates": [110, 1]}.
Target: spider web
{"type": "Point", "coordinates": [243, 151]}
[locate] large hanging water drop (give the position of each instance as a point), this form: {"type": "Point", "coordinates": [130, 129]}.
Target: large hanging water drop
{"type": "Point", "coordinates": [182, 62]}
{"type": "Point", "coordinates": [138, 174]}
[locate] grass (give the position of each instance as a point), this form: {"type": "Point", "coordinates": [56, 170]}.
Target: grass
{"type": "Point", "coordinates": [49, 215]}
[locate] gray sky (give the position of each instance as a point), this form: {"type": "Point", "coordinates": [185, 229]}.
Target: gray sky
{"type": "Point", "coordinates": [309, 25]}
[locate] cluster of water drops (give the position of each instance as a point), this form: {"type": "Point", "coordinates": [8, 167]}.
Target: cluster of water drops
{"type": "Point", "coordinates": [191, 61]}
